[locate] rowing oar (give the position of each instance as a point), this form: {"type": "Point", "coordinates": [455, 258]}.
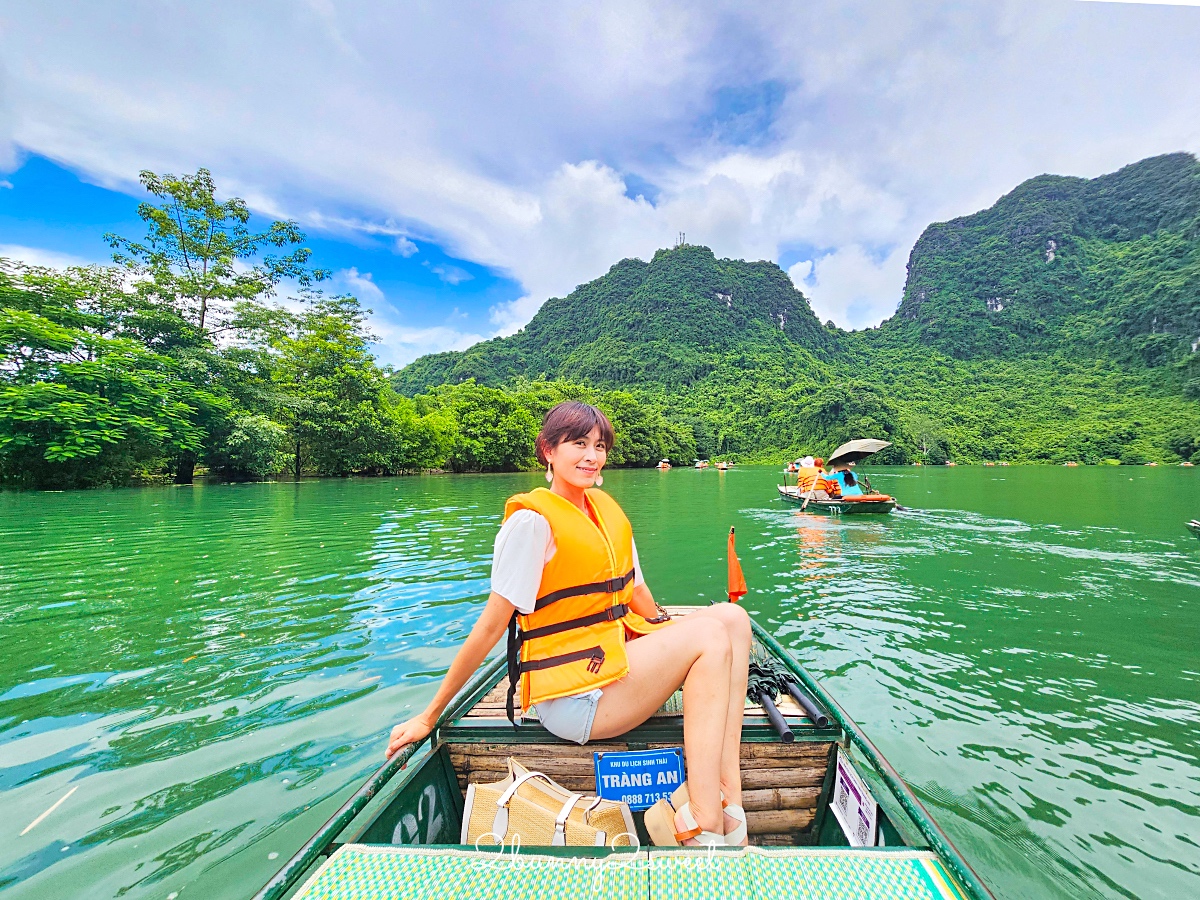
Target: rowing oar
{"type": "Point", "coordinates": [806, 703]}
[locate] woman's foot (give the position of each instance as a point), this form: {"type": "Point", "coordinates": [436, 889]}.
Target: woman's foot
{"type": "Point", "coordinates": [734, 817]}
{"type": "Point", "coordinates": [686, 824]}
{"type": "Point", "coordinates": [670, 827]}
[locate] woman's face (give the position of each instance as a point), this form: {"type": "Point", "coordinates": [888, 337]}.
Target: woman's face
{"type": "Point", "coordinates": [578, 462]}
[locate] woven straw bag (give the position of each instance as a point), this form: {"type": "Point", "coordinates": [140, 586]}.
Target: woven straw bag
{"type": "Point", "coordinates": [529, 805]}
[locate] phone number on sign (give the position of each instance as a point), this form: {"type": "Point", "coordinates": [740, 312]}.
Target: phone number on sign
{"type": "Point", "coordinates": [647, 799]}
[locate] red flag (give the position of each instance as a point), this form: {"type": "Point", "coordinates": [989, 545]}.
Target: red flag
{"type": "Point", "coordinates": [737, 581]}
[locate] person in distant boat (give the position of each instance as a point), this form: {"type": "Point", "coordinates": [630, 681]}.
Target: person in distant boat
{"type": "Point", "coordinates": [589, 649]}
{"type": "Point", "coordinates": [844, 476]}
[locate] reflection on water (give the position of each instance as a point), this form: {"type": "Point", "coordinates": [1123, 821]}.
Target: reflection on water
{"type": "Point", "coordinates": [211, 669]}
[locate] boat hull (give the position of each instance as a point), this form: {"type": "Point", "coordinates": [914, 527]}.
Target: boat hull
{"type": "Point", "coordinates": [841, 507]}
{"type": "Point", "coordinates": [788, 789]}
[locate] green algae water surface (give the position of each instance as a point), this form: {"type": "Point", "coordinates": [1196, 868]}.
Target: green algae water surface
{"type": "Point", "coordinates": [192, 679]}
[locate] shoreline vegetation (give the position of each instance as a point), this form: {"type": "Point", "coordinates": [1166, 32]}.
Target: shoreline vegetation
{"type": "Point", "coordinates": [179, 359]}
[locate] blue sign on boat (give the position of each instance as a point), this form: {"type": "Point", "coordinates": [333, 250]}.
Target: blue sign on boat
{"type": "Point", "coordinates": [639, 777]}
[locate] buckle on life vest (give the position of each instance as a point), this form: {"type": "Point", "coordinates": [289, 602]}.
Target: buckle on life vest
{"type": "Point", "coordinates": [597, 661]}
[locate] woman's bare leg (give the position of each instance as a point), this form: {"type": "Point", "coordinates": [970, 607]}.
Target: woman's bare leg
{"type": "Point", "coordinates": [737, 626]}
{"type": "Point", "coordinates": [695, 651]}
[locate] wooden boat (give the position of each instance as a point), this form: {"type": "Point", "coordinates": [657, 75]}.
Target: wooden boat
{"type": "Point", "coordinates": [848, 453]}
{"type": "Point", "coordinates": [867, 503]}
{"type": "Point", "coordinates": [397, 837]}
{"type": "Point", "coordinates": [663, 464]}
{"type": "Point", "coordinates": [702, 464]}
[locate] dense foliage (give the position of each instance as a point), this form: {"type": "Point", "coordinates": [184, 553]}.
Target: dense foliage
{"type": "Point", "coordinates": [1061, 324]}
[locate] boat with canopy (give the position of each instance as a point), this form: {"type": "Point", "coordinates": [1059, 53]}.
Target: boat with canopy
{"type": "Point", "coordinates": [807, 495]}
{"type": "Point", "coordinates": [828, 816]}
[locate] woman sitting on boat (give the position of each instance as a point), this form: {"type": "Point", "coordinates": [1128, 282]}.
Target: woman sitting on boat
{"type": "Point", "coordinates": [589, 648]}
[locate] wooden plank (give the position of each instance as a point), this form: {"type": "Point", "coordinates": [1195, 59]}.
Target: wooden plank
{"type": "Point", "coordinates": [779, 820]}
{"type": "Point", "coordinates": [549, 766]}
{"type": "Point", "coordinates": [781, 756]}
{"type": "Point", "coordinates": [781, 798]}
{"type": "Point", "coordinates": [577, 783]}
{"type": "Point", "coordinates": [774, 840]}
{"type": "Point", "coordinates": [754, 779]}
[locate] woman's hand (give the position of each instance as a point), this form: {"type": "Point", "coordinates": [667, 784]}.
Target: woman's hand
{"type": "Point", "coordinates": [415, 729]}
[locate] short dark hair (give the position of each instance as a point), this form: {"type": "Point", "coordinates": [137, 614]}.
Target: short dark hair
{"type": "Point", "coordinates": [570, 421]}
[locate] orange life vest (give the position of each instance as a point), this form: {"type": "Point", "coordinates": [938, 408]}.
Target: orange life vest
{"type": "Point", "coordinates": [574, 640]}
{"type": "Point", "coordinates": [809, 478]}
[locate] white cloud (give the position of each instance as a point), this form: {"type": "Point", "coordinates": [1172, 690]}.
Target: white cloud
{"type": "Point", "coordinates": [800, 272]}
{"type": "Point", "coordinates": [52, 259]}
{"type": "Point", "coordinates": [851, 287]}
{"type": "Point", "coordinates": [6, 185]}
{"type": "Point", "coordinates": [510, 317]}
{"type": "Point", "coordinates": [405, 247]}
{"type": "Point", "coordinates": [361, 286]}
{"type": "Point", "coordinates": [501, 133]}
{"type": "Point", "coordinates": [399, 345]}
{"type": "Point", "coordinates": [1150, 2]}
{"type": "Point", "coordinates": [451, 274]}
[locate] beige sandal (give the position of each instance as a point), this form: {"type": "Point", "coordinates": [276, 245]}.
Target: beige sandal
{"type": "Point", "coordinates": [732, 838]}
{"type": "Point", "coordinates": [660, 825]}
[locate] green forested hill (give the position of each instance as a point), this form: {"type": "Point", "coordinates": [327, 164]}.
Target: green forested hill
{"type": "Point", "coordinates": [1066, 263]}
{"type": "Point", "coordinates": [1062, 323]}
{"type": "Point", "coordinates": [668, 323]}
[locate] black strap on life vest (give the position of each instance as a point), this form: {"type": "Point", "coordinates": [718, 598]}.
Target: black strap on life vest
{"type": "Point", "coordinates": [609, 615]}
{"type": "Point", "coordinates": [611, 586]}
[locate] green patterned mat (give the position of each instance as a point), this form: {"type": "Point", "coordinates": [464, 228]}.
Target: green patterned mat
{"type": "Point", "coordinates": [357, 872]}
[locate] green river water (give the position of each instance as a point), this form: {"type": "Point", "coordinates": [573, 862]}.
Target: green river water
{"type": "Point", "coordinates": [206, 672]}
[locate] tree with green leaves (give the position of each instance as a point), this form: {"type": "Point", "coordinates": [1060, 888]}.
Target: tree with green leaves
{"type": "Point", "coordinates": [200, 257]}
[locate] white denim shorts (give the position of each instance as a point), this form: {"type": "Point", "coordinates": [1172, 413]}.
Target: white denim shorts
{"type": "Point", "coordinates": [570, 718]}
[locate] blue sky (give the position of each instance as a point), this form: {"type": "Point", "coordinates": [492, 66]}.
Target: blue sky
{"type": "Point", "coordinates": [50, 214]}
{"type": "Point", "coordinates": [457, 168]}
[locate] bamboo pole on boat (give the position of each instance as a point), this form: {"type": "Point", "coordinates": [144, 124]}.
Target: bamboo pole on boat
{"type": "Point", "coordinates": [785, 732]}
{"type": "Point", "coordinates": [806, 703]}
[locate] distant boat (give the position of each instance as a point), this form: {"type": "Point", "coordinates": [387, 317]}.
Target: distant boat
{"type": "Point", "coordinates": [702, 464]}
{"type": "Point", "coordinates": [866, 503]}
{"type": "Point", "coordinates": [950, 462]}
{"type": "Point", "coordinates": [663, 464]}
{"type": "Point", "coordinates": [989, 463]}
{"type": "Point", "coordinates": [1186, 463]}
{"type": "Point", "coordinates": [722, 466]}
{"type": "Point", "coordinates": [851, 452]}
{"type": "Point", "coordinates": [1071, 464]}
{"type": "Point", "coordinates": [1002, 464]}
{"type": "Point", "coordinates": [1152, 464]}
